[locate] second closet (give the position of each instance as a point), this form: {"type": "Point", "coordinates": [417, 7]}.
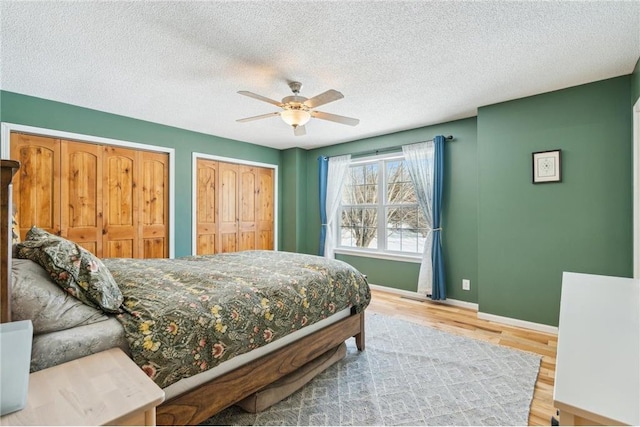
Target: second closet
{"type": "Point", "coordinates": [234, 207]}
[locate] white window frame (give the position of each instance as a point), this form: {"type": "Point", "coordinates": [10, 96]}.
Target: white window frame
{"type": "Point", "coordinates": [381, 206]}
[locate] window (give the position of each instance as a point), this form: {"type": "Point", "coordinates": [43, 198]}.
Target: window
{"type": "Point", "coordinates": [379, 210]}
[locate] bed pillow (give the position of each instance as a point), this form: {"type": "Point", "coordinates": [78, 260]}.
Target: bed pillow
{"type": "Point", "coordinates": [73, 268]}
{"type": "Point", "coordinates": [34, 296]}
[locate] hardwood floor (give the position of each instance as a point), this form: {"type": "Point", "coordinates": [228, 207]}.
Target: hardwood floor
{"type": "Point", "coordinates": [463, 321]}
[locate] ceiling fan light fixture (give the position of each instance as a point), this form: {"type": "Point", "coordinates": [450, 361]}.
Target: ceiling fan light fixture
{"type": "Point", "coordinates": [295, 117]}
{"type": "Point", "coordinates": [298, 110]}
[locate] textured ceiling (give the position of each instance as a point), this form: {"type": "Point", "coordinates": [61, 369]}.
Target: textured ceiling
{"type": "Point", "coordinates": [400, 65]}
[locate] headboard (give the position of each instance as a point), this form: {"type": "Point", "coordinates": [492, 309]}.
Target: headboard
{"type": "Point", "coordinates": [9, 168]}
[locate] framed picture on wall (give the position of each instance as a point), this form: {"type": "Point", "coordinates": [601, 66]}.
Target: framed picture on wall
{"type": "Point", "coordinates": [547, 166]}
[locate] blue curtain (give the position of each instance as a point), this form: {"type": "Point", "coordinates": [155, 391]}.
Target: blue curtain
{"type": "Point", "coordinates": [439, 287]}
{"type": "Point", "coordinates": [323, 169]}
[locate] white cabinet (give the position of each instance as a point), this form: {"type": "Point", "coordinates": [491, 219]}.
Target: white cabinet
{"type": "Point", "coordinates": [598, 359]}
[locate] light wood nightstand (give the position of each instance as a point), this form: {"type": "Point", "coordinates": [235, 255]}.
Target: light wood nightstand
{"type": "Point", "coordinates": [104, 388]}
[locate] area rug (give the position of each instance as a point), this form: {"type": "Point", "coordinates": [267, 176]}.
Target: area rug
{"type": "Point", "coordinates": [409, 375]}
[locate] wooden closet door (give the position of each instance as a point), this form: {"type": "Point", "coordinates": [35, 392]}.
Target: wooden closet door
{"type": "Point", "coordinates": [120, 211]}
{"type": "Point", "coordinates": [228, 207]}
{"type": "Point", "coordinates": [154, 221]}
{"type": "Point", "coordinates": [81, 195]}
{"type": "Point", "coordinates": [36, 187]}
{"type": "Point", "coordinates": [206, 211]}
{"type": "Point", "coordinates": [247, 212]}
{"type": "Point", "coordinates": [234, 207]}
{"type": "Point", "coordinates": [265, 208]}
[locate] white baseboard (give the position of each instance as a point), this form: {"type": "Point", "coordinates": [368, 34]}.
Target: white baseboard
{"type": "Point", "coordinates": [416, 296]}
{"type": "Point", "coordinates": [520, 323]}
{"type": "Point", "coordinates": [473, 306]}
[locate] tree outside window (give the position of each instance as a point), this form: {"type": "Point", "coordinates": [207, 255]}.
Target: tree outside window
{"type": "Point", "coordinates": [379, 208]}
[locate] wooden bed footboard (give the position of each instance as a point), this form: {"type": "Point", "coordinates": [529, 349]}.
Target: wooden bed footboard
{"type": "Point", "coordinates": [197, 405]}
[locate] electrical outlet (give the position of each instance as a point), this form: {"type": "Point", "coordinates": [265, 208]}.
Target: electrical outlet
{"type": "Point", "coordinates": [466, 284]}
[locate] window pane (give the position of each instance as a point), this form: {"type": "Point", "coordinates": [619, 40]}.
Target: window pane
{"type": "Point", "coordinates": [359, 227]}
{"type": "Point", "coordinates": [371, 173]}
{"type": "Point", "coordinates": [392, 168]}
{"type": "Point", "coordinates": [393, 193]}
{"type": "Point", "coordinates": [409, 241]}
{"type": "Point", "coordinates": [365, 237]}
{"type": "Point", "coordinates": [406, 229]}
{"type": "Point", "coordinates": [345, 217]}
{"type": "Point", "coordinates": [346, 227]}
{"type": "Point", "coordinates": [364, 217]}
{"type": "Point", "coordinates": [399, 185]}
{"type": "Point", "coordinates": [360, 194]}
{"type": "Point", "coordinates": [393, 239]}
{"type": "Point", "coordinates": [372, 193]}
{"type": "Point", "coordinates": [402, 217]}
{"type": "Point", "coordinates": [363, 174]}
{"type": "Point", "coordinates": [394, 217]}
{"type": "Point", "coordinates": [356, 175]}
{"type": "Point", "coordinates": [405, 240]}
{"type": "Point", "coordinates": [362, 185]}
{"type": "Point", "coordinates": [346, 236]}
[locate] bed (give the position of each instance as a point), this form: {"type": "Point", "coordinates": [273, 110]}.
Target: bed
{"type": "Point", "coordinates": [292, 318]}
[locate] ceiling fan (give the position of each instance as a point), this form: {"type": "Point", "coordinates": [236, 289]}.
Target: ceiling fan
{"type": "Point", "coordinates": [298, 110]}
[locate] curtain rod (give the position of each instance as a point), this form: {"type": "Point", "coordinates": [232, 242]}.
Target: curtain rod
{"type": "Point", "coordinates": [388, 149]}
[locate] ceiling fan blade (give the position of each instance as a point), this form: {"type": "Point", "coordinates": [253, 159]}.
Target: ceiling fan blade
{"type": "Point", "coordinates": [260, 97]}
{"type": "Point", "coordinates": [335, 118]}
{"type": "Point", "coordinates": [299, 130]}
{"type": "Point", "coordinates": [324, 98]}
{"type": "Point", "coordinates": [262, 116]}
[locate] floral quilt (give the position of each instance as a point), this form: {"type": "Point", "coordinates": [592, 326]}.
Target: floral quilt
{"type": "Point", "coordinates": [187, 315]}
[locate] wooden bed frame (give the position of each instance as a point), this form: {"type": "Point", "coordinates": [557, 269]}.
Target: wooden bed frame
{"type": "Point", "coordinates": [195, 406]}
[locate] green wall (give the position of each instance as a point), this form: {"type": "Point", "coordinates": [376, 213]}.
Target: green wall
{"type": "Point", "coordinates": [294, 187]}
{"type": "Point", "coordinates": [529, 234]}
{"type": "Point", "coordinates": [27, 110]}
{"type": "Point", "coordinates": [460, 202]}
